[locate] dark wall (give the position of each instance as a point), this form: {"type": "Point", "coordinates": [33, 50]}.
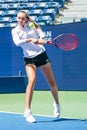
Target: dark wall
{"type": "Point", "coordinates": [70, 68]}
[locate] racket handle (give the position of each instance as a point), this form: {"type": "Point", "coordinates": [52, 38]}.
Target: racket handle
{"type": "Point", "coordinates": [51, 43]}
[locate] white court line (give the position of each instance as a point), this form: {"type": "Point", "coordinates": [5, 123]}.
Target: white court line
{"type": "Point", "coordinates": [22, 113]}
{"type": "Point", "coordinates": [41, 115]}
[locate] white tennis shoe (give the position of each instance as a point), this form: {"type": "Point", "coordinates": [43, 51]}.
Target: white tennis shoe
{"type": "Point", "coordinates": [56, 110]}
{"type": "Point", "coordinates": [29, 117]}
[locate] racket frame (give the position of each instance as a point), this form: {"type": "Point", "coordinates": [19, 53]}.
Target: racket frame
{"type": "Point", "coordinates": [53, 43]}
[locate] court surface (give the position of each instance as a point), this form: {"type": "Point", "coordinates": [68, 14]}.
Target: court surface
{"type": "Point", "coordinates": [73, 111]}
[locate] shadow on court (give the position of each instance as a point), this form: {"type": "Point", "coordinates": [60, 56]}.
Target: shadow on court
{"type": "Point", "coordinates": [13, 121]}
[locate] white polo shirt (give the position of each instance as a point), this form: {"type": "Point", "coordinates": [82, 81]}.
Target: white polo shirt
{"type": "Point", "coordinates": [20, 35]}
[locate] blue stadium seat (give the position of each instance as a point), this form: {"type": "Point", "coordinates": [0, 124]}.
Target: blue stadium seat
{"type": "Point", "coordinates": [2, 25]}
{"type": "Point", "coordinates": [54, 5]}
{"type": "Point", "coordinates": [43, 0]}
{"type": "Point", "coordinates": [5, 19]}
{"type": "Point", "coordinates": [10, 13]}
{"type": "Point", "coordinates": [12, 6]}
{"type": "Point", "coordinates": [13, 19]}
{"type": "Point", "coordinates": [28, 6]}
{"type": "Point", "coordinates": [41, 5]}
{"type": "Point", "coordinates": [5, 1]}
{"type": "Point", "coordinates": [34, 17]}
{"type": "Point", "coordinates": [36, 12]}
{"type": "Point", "coordinates": [2, 7]}
{"type": "Point", "coordinates": [83, 19]}
{"type": "Point", "coordinates": [61, 2]}
{"type": "Point", "coordinates": [1, 13]}
{"type": "Point", "coordinates": [50, 12]}
{"type": "Point", "coordinates": [14, 1]}
{"type": "Point", "coordinates": [10, 25]}
{"type": "Point", "coordinates": [46, 19]}
{"type": "Point", "coordinates": [8, 1]}
{"type": "Point", "coordinates": [22, 1]}
{"type": "Point", "coordinates": [33, 0]}
{"type": "Point", "coordinates": [41, 23]}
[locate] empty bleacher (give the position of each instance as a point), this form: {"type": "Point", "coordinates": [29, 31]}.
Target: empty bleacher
{"type": "Point", "coordinates": [42, 11]}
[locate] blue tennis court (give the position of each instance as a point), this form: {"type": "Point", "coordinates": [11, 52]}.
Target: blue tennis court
{"type": "Point", "coordinates": [73, 111]}
{"type": "Point", "coordinates": [13, 121]}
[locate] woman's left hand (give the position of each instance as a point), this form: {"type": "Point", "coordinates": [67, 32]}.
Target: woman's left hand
{"type": "Point", "coordinates": [36, 41]}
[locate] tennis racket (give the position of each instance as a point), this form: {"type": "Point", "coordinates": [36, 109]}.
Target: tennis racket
{"type": "Point", "coordinates": [65, 41]}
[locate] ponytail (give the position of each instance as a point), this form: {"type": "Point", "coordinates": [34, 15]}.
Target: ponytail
{"type": "Point", "coordinates": [36, 25]}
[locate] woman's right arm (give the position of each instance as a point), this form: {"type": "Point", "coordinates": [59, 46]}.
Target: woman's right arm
{"type": "Point", "coordinates": [16, 39]}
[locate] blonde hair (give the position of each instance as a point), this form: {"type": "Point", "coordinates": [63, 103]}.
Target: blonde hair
{"type": "Point", "coordinates": [29, 19]}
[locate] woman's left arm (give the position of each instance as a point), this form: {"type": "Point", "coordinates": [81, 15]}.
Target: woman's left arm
{"type": "Point", "coordinates": [40, 39]}
{"type": "Point", "coordinates": [36, 41]}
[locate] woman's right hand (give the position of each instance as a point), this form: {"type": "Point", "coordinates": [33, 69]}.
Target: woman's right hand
{"type": "Point", "coordinates": [36, 41]}
{"type": "Point", "coordinates": [32, 40]}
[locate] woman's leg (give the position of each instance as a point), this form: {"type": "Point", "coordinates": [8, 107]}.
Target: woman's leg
{"type": "Point", "coordinates": [47, 71]}
{"type": "Point", "coordinates": [31, 74]}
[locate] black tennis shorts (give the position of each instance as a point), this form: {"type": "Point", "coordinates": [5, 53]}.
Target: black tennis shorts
{"type": "Point", "coordinates": [38, 61]}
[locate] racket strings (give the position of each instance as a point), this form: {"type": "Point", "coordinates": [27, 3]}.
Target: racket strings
{"type": "Point", "coordinates": [66, 42]}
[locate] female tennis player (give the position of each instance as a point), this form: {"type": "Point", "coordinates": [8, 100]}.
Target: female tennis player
{"type": "Point", "coordinates": [31, 40]}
